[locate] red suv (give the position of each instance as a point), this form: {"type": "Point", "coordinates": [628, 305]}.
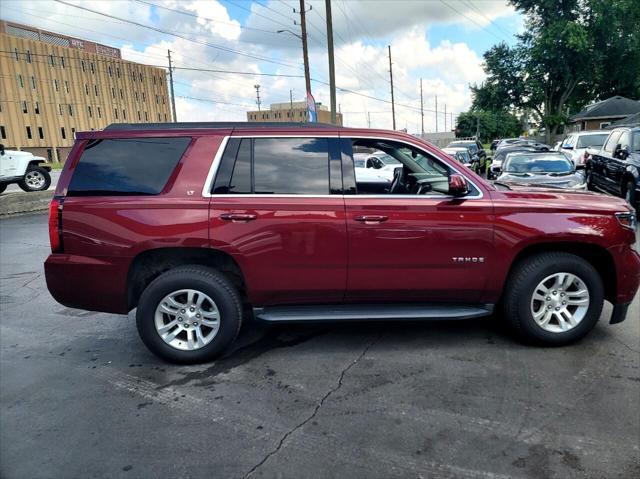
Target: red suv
{"type": "Point", "coordinates": [200, 225]}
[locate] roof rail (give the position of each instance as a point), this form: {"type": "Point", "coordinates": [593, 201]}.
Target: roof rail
{"type": "Point", "coordinates": [213, 125]}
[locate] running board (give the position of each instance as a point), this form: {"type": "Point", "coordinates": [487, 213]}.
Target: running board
{"type": "Point", "coordinates": [372, 312]}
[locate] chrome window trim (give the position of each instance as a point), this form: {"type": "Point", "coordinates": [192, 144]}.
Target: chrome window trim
{"type": "Point", "coordinates": [206, 191]}
{"type": "Point", "coordinates": [213, 169]}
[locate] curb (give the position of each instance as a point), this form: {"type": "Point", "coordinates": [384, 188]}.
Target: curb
{"type": "Point", "coordinates": [18, 203]}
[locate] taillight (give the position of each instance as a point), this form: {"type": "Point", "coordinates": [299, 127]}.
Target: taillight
{"type": "Point", "coordinates": [55, 225]}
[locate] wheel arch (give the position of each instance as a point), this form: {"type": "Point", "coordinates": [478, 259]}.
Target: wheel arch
{"type": "Point", "coordinates": [594, 254]}
{"type": "Point", "coordinates": [150, 264]}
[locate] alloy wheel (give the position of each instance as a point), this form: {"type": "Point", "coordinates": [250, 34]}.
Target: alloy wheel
{"type": "Point", "coordinates": [187, 319]}
{"type": "Point", "coordinates": [34, 180]}
{"type": "Point", "coordinates": [560, 302]}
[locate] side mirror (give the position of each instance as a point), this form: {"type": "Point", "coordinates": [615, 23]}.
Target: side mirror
{"type": "Point", "coordinates": [567, 147]}
{"type": "Point", "coordinates": [622, 153]}
{"type": "Point", "coordinates": [458, 185]}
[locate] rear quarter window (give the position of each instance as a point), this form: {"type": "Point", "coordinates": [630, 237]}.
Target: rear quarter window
{"type": "Point", "coordinates": [133, 166]}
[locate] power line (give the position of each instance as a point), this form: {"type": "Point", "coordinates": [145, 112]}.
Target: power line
{"type": "Point", "coordinates": [470, 19]}
{"type": "Point", "coordinates": [165, 32]}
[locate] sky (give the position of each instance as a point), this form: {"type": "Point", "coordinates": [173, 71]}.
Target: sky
{"type": "Point", "coordinates": [438, 41]}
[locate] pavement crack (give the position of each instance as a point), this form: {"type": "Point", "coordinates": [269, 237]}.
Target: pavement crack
{"type": "Point", "coordinates": [320, 403]}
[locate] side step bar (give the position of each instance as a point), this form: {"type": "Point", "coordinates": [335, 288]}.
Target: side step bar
{"type": "Point", "coordinates": [372, 312]}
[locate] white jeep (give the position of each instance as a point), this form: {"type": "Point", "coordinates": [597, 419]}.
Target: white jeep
{"type": "Point", "coordinates": [25, 169]}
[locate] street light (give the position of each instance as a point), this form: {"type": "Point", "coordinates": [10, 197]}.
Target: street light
{"type": "Point", "coordinates": [289, 31]}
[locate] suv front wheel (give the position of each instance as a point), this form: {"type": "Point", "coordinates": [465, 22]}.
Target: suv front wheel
{"type": "Point", "coordinates": [553, 298]}
{"type": "Point", "coordinates": [190, 314]}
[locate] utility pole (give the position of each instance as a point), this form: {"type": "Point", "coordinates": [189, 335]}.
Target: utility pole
{"type": "Point", "coordinates": [451, 118]}
{"type": "Point", "coordinates": [332, 70]}
{"type": "Point", "coordinates": [291, 103]}
{"type": "Point", "coordinates": [477, 127]}
{"type": "Point", "coordinates": [436, 113]}
{"type": "Point", "coordinates": [173, 96]}
{"type": "Point", "coordinates": [421, 108]}
{"type": "Point", "coordinates": [257, 87]}
{"type": "Point", "coordinates": [445, 117]}
{"type": "Point", "coordinates": [393, 107]}
{"type": "Point", "coordinates": [305, 53]}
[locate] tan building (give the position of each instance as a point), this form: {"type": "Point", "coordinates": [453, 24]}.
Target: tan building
{"type": "Point", "coordinates": [295, 111]}
{"type": "Point", "coordinates": [52, 85]}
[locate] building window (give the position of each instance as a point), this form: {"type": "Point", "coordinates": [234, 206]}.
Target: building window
{"type": "Point", "coordinates": [66, 86]}
{"type": "Point", "coordinates": [158, 116]}
{"type": "Point", "coordinates": [113, 92]}
{"type": "Point", "coordinates": [37, 109]}
{"type": "Point", "coordinates": [55, 85]}
{"type": "Point", "coordinates": [144, 96]}
{"type": "Point", "coordinates": [28, 56]}
{"type": "Point", "coordinates": [52, 61]}
{"type": "Point", "coordinates": [3, 133]}
{"type": "Point", "coordinates": [135, 94]}
{"type": "Point", "coordinates": [82, 65]}
{"type": "Point", "coordinates": [20, 81]}
{"type": "Point", "coordinates": [124, 114]}
{"type": "Point", "coordinates": [157, 98]}
{"type": "Point", "coordinates": [86, 89]}
{"type": "Point", "coordinates": [70, 110]}
{"type": "Point", "coordinates": [140, 76]}
{"type": "Point", "coordinates": [109, 71]}
{"type": "Point", "coordinates": [165, 117]}
{"type": "Point", "coordinates": [121, 94]}
{"type": "Point", "coordinates": [60, 109]}
{"type": "Point", "coordinates": [604, 124]}
{"type": "Point", "coordinates": [62, 62]}
{"type": "Point", "coordinates": [41, 133]}
{"type": "Point", "coordinates": [28, 133]}
{"type": "Point", "coordinates": [33, 82]}
{"type": "Point", "coordinates": [163, 100]}
{"type": "Point", "coordinates": [118, 72]}
{"type": "Point", "coordinates": [139, 117]}
{"type": "Point", "coordinates": [89, 111]}
{"type": "Point", "coordinates": [16, 54]}
{"type": "Point", "coordinates": [95, 89]}
{"type": "Point", "coordinates": [146, 117]}
{"type": "Point", "coordinates": [99, 112]}
{"type": "Point", "coordinates": [115, 111]}
{"type": "Point", "coordinates": [93, 67]}
{"type": "Point", "coordinates": [24, 107]}
{"type": "Point", "coordinates": [154, 79]}
{"type": "Point", "coordinates": [63, 133]}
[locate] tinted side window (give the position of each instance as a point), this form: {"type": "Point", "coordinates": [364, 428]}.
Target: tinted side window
{"type": "Point", "coordinates": [137, 166]}
{"type": "Point", "coordinates": [298, 166]}
{"type": "Point", "coordinates": [241, 177]}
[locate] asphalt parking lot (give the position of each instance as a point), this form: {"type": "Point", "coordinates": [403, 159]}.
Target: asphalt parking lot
{"type": "Point", "coordinates": [81, 397]}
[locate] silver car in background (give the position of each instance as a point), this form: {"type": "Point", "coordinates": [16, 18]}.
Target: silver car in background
{"type": "Point", "coordinates": [575, 144]}
{"type": "Point", "coordinates": [548, 169]}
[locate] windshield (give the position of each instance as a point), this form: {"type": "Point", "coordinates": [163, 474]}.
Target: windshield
{"type": "Point", "coordinates": [389, 160]}
{"type": "Point", "coordinates": [463, 144]}
{"type": "Point", "coordinates": [587, 141]}
{"type": "Point", "coordinates": [537, 164]}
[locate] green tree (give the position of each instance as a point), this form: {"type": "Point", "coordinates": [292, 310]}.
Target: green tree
{"type": "Point", "coordinates": [572, 52]}
{"type": "Point", "coordinates": [493, 124]}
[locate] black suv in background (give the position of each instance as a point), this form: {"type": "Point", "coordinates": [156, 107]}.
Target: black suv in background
{"type": "Point", "coordinates": [475, 148]}
{"type": "Point", "coordinates": [615, 168]}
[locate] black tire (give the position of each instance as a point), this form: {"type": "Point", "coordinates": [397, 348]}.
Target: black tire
{"type": "Point", "coordinates": [524, 278]}
{"type": "Point", "coordinates": [206, 280]}
{"type": "Point", "coordinates": [3, 186]}
{"type": "Point", "coordinates": [24, 185]}
{"type": "Point", "coordinates": [630, 193]}
{"type": "Point", "coordinates": [589, 180]}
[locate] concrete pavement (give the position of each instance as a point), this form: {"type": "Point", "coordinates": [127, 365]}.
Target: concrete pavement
{"type": "Point", "coordinates": [80, 396]}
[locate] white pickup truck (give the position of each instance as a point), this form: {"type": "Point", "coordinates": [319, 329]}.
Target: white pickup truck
{"type": "Point", "coordinates": [30, 172]}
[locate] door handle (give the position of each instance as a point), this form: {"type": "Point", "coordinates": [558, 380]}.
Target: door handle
{"type": "Point", "coordinates": [238, 217]}
{"type": "Point", "coordinates": [371, 219]}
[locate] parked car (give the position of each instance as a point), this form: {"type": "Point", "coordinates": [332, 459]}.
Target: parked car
{"type": "Point", "coordinates": [495, 168]}
{"type": "Point", "coordinates": [462, 155]}
{"type": "Point", "coordinates": [201, 226]}
{"type": "Point", "coordinates": [506, 142]}
{"type": "Point", "coordinates": [576, 144]}
{"type": "Point", "coordinates": [615, 168]}
{"type": "Point", "coordinates": [475, 148]}
{"type": "Point", "coordinates": [371, 179]}
{"type": "Point", "coordinates": [550, 170]}
{"type": "Point", "coordinates": [30, 172]}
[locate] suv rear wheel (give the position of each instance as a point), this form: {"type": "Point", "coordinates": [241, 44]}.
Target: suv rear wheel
{"type": "Point", "coordinates": [190, 314]}
{"type": "Point", "coordinates": [553, 298]}
{"type": "Point", "coordinates": [35, 179]}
